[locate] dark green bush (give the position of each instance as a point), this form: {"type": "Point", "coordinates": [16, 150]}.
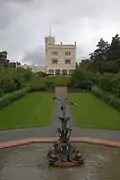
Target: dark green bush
{"type": "Point", "coordinates": [82, 79]}
{"type": "Point", "coordinates": [106, 97]}
{"type": "Point", "coordinates": [38, 87]}
{"type": "Point", "coordinates": [7, 85]}
{"type": "Point", "coordinates": [9, 98]}
{"type": "Point", "coordinates": [106, 82]}
{"type": "Point", "coordinates": [49, 84]}
{"type": "Point", "coordinates": [41, 74]}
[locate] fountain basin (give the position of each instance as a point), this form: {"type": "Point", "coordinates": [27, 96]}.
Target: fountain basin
{"type": "Point", "coordinates": [95, 141]}
{"type": "Point", "coordinates": [30, 162]}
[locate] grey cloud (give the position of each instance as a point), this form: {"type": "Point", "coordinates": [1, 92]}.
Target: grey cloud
{"type": "Point", "coordinates": [8, 13]}
{"type": "Point", "coordinates": [17, 1]}
{"type": "Point", "coordinates": [5, 18]}
{"type": "Point", "coordinates": [34, 56]}
{"type": "Point", "coordinates": [24, 23]}
{"type": "Point", "coordinates": [81, 53]}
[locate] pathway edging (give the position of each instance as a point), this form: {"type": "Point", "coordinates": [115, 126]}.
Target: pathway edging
{"type": "Point", "coordinates": [96, 141]}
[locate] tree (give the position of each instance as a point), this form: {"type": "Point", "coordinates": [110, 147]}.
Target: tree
{"type": "Point", "coordinates": [114, 50]}
{"type": "Point", "coordinates": [80, 79]}
{"type": "Point", "coordinates": [7, 84]}
{"type": "Point", "coordinates": [86, 64]}
{"type": "Point", "coordinates": [105, 82]}
{"type": "Point", "coordinates": [3, 58]}
{"type": "Point", "coordinates": [99, 56]}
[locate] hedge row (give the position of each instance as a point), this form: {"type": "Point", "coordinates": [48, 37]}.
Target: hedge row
{"type": "Point", "coordinates": [9, 98]}
{"type": "Point", "coordinates": [39, 87]}
{"type": "Point", "coordinates": [106, 97]}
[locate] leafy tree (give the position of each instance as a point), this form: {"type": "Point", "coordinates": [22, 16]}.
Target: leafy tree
{"type": "Point", "coordinates": [116, 84]}
{"type": "Point", "coordinates": [86, 64]}
{"type": "Point", "coordinates": [114, 50]}
{"type": "Point", "coordinates": [99, 56]}
{"type": "Point", "coordinates": [7, 85]}
{"type": "Point", "coordinates": [105, 82]}
{"type": "Point", "coordinates": [106, 58]}
{"type": "Point", "coordinates": [3, 58]}
{"type": "Point", "coordinates": [80, 79]}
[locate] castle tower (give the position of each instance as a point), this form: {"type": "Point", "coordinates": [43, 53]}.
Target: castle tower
{"type": "Point", "coordinates": [60, 58]}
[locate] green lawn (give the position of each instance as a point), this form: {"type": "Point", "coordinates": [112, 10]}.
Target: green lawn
{"type": "Point", "coordinates": [35, 109]}
{"type": "Point", "coordinates": [91, 112]}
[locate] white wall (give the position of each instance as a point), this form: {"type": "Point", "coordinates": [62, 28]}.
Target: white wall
{"type": "Point", "coordinates": [61, 57]}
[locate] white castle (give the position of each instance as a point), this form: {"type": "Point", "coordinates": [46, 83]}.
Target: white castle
{"type": "Point", "coordinates": [59, 58]}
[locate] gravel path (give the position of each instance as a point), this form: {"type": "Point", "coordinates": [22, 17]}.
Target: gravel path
{"type": "Point", "coordinates": [51, 131]}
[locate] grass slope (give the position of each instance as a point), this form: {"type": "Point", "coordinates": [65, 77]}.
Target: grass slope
{"type": "Point", "coordinates": [35, 109]}
{"type": "Point", "coordinates": [91, 112]}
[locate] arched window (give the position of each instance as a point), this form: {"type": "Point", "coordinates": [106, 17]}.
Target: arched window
{"type": "Point", "coordinates": [57, 72]}
{"type": "Point", "coordinates": [64, 71]}
{"type": "Point", "coordinates": [51, 71]}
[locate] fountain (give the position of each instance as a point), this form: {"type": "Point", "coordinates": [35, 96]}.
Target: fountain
{"type": "Point", "coordinates": [63, 153]}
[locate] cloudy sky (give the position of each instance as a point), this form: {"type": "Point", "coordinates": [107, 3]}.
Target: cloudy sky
{"type": "Point", "coordinates": [25, 23]}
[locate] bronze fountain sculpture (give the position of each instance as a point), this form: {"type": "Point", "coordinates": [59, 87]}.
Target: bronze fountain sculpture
{"type": "Point", "coordinates": [63, 154]}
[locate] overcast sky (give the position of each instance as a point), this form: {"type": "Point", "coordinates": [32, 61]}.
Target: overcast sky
{"type": "Point", "coordinates": [25, 23]}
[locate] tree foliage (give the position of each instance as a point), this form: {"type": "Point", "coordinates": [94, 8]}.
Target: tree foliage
{"type": "Point", "coordinates": [106, 58]}
{"type": "Point", "coordinates": [81, 79]}
{"type": "Point", "coordinates": [4, 62]}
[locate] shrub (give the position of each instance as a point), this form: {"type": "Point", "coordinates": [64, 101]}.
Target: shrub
{"type": "Point", "coordinates": [38, 87]}
{"type": "Point", "coordinates": [9, 98]}
{"type": "Point", "coordinates": [41, 74]}
{"type": "Point", "coordinates": [82, 79]}
{"type": "Point", "coordinates": [7, 85]}
{"type": "Point", "coordinates": [56, 81]}
{"type": "Point", "coordinates": [49, 84]}
{"type": "Point", "coordinates": [106, 82]}
{"type": "Point", "coordinates": [116, 84]}
{"type": "Point", "coordinates": [106, 97]}
{"type": "Point", "coordinates": [19, 81]}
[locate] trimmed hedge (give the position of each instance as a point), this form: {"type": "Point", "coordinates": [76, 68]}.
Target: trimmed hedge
{"type": "Point", "coordinates": [56, 81]}
{"type": "Point", "coordinates": [39, 87]}
{"type": "Point", "coordinates": [49, 84]}
{"type": "Point", "coordinates": [9, 98]}
{"type": "Point", "coordinates": [106, 97]}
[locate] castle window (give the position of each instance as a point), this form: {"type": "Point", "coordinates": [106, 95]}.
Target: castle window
{"type": "Point", "coordinates": [67, 61]}
{"type": "Point", "coordinates": [51, 71]}
{"type": "Point", "coordinates": [54, 53]}
{"type": "Point", "coordinates": [64, 71]}
{"type": "Point", "coordinates": [67, 53]}
{"type": "Point", "coordinates": [54, 61]}
{"type": "Point", "coordinates": [57, 71]}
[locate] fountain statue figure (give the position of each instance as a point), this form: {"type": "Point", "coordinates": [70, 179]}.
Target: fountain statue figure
{"type": "Point", "coordinates": [63, 153]}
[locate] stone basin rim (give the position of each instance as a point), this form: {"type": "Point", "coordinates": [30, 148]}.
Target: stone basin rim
{"type": "Point", "coordinates": [96, 141]}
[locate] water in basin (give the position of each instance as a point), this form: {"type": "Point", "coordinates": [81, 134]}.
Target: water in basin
{"type": "Point", "coordinates": [29, 163]}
